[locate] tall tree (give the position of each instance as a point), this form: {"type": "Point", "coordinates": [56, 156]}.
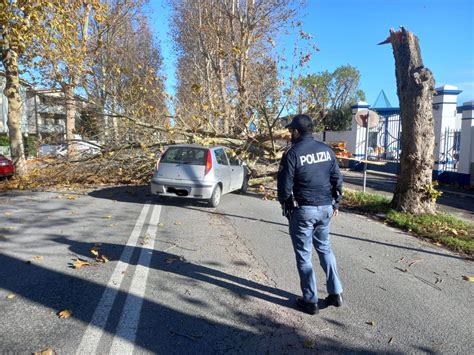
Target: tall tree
{"type": "Point", "coordinates": [67, 61]}
{"type": "Point", "coordinates": [22, 23]}
{"type": "Point", "coordinates": [126, 77]}
{"type": "Point", "coordinates": [415, 88]}
{"type": "Point", "coordinates": [219, 44]}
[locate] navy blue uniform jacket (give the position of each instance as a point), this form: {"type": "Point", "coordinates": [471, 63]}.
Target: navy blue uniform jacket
{"type": "Point", "coordinates": [309, 169]}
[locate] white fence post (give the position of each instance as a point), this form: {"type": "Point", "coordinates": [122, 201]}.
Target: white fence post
{"type": "Point", "coordinates": [444, 115]}
{"type": "Point", "coordinates": [466, 155]}
{"type": "Point", "coordinates": [357, 143]}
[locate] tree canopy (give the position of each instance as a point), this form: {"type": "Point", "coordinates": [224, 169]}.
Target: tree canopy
{"type": "Point", "coordinates": [328, 96]}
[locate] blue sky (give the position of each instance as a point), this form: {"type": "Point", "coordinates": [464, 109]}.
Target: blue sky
{"type": "Point", "coordinates": [347, 32]}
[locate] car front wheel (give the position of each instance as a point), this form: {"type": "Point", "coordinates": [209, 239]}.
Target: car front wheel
{"type": "Point", "coordinates": [216, 196]}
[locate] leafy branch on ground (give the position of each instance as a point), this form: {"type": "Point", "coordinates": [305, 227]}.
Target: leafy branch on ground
{"type": "Point", "coordinates": [440, 228]}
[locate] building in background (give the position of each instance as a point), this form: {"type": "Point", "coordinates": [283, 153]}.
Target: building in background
{"type": "Point", "coordinates": [43, 117]}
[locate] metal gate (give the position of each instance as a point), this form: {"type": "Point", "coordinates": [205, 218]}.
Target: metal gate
{"type": "Point", "coordinates": [384, 139]}
{"type": "Point", "coordinates": [450, 147]}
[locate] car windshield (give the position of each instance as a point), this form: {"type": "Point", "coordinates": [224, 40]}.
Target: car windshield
{"type": "Point", "coordinates": [185, 155]}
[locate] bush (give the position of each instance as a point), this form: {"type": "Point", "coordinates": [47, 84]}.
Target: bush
{"type": "Point", "coordinates": [4, 140]}
{"type": "Point", "coordinates": [30, 144]}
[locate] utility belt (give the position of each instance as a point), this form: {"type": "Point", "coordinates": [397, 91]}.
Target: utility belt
{"type": "Point", "coordinates": [289, 205]}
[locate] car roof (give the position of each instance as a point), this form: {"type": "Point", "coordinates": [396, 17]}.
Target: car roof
{"type": "Point", "coordinates": [194, 146]}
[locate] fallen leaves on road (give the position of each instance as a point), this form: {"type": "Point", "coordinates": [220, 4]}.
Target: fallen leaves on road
{"type": "Point", "coordinates": [7, 214]}
{"type": "Point", "coordinates": [468, 278]}
{"type": "Point", "coordinates": [309, 344]}
{"type": "Point", "coordinates": [102, 259]}
{"type": "Point", "coordinates": [372, 322]}
{"type": "Point", "coordinates": [99, 257]}
{"type": "Point", "coordinates": [107, 217]}
{"type": "Point", "coordinates": [65, 313]}
{"type": "Point", "coordinates": [269, 196]}
{"type": "Point", "coordinates": [145, 239]}
{"type": "Point", "coordinates": [38, 257]}
{"type": "Point", "coordinates": [160, 224]}
{"type": "Point", "coordinates": [80, 263]}
{"type": "Point", "coordinates": [72, 197]}
{"type": "Point", "coordinates": [48, 351]}
{"type": "Point", "coordinates": [10, 296]}
{"type": "Point", "coordinates": [421, 278]}
{"type": "Point", "coordinates": [414, 262]}
{"type": "Point", "coordinates": [402, 270]}
{"type": "Point", "coordinates": [177, 223]}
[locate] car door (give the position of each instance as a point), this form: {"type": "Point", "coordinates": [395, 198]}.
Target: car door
{"type": "Point", "coordinates": [222, 169]}
{"type": "Point", "coordinates": [236, 170]}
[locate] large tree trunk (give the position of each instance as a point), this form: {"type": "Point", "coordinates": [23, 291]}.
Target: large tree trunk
{"type": "Point", "coordinates": [70, 106]}
{"type": "Point", "coordinates": [415, 87]}
{"type": "Point", "coordinates": [223, 95]}
{"type": "Point", "coordinates": [12, 92]}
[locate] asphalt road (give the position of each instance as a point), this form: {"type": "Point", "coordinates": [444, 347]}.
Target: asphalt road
{"type": "Point", "coordinates": [184, 278]}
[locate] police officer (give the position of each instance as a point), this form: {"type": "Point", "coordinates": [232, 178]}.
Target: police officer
{"type": "Point", "coordinates": [309, 190]}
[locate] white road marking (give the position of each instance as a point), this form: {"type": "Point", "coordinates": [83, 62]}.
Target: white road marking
{"type": "Point", "coordinates": [127, 328]}
{"type": "Point", "coordinates": [95, 329]}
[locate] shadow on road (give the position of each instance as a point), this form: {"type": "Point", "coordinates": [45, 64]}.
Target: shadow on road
{"type": "Point", "coordinates": [175, 264]}
{"type": "Point", "coordinates": [238, 216]}
{"type": "Point", "coordinates": [163, 329]}
{"type": "Point", "coordinates": [141, 194]}
{"type": "Point", "coordinates": [399, 246]}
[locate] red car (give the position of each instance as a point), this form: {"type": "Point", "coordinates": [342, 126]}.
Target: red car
{"type": "Point", "coordinates": [6, 167]}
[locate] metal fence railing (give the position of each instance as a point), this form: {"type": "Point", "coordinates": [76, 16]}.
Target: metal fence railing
{"type": "Point", "coordinates": [450, 146]}
{"type": "Point", "coordinates": [384, 139]}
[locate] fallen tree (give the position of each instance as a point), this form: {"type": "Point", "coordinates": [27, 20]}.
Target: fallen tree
{"type": "Point", "coordinates": [133, 162]}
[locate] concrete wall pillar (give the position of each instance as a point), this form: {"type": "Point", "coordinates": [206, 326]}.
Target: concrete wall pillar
{"type": "Point", "coordinates": [356, 144]}
{"type": "Point", "coordinates": [466, 156]}
{"type": "Point", "coordinates": [444, 115]}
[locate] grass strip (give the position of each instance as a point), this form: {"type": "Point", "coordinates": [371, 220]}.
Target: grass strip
{"type": "Point", "coordinates": [440, 228]}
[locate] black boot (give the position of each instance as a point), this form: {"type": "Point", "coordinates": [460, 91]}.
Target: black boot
{"type": "Point", "coordinates": [334, 300]}
{"type": "Point", "coordinates": [310, 308]}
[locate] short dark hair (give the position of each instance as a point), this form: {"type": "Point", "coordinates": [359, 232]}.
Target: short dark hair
{"type": "Point", "coordinates": [303, 123]}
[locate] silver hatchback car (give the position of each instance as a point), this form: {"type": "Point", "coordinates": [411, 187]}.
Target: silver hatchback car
{"type": "Point", "coordinates": [195, 171]}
